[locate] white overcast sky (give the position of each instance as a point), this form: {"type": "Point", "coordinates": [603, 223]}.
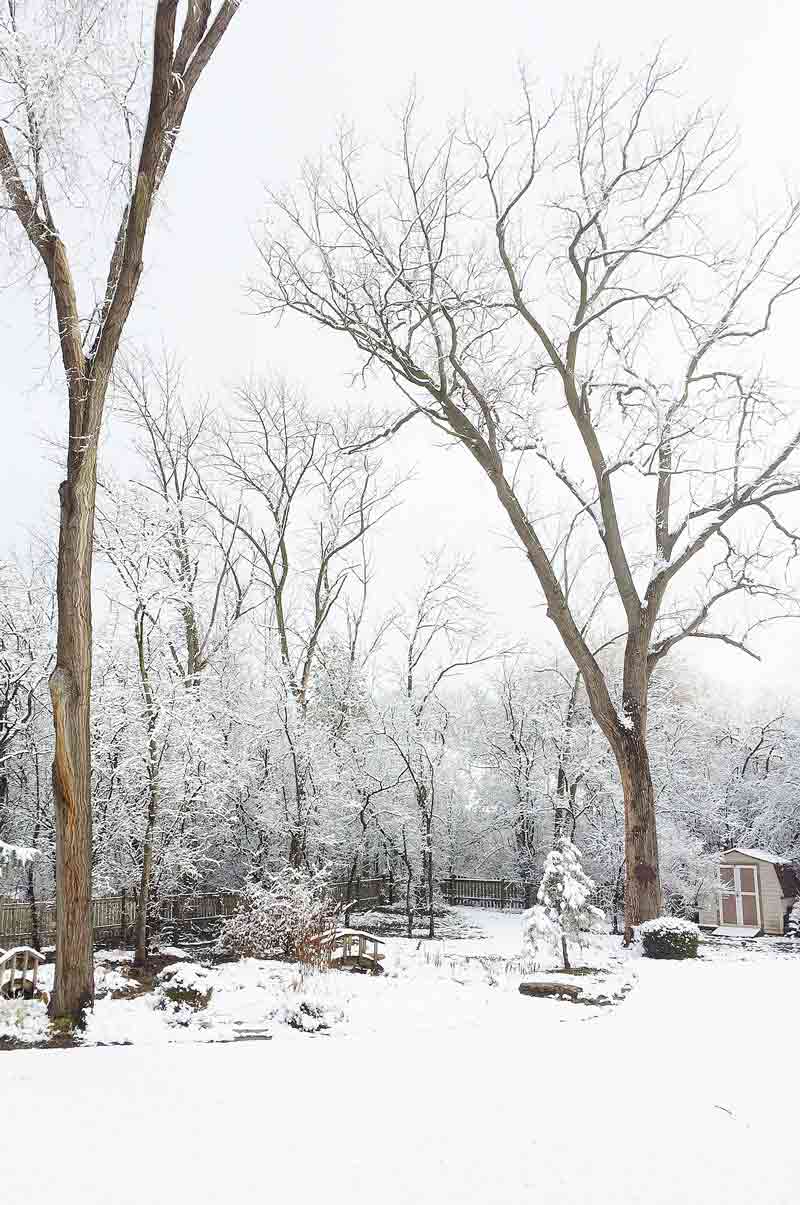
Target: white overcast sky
{"type": "Point", "coordinates": [284, 76]}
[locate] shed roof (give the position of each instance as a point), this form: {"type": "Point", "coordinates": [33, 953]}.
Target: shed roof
{"type": "Point", "coordinates": [761, 855]}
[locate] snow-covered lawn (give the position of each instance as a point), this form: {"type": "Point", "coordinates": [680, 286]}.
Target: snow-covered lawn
{"type": "Point", "coordinates": [435, 1087]}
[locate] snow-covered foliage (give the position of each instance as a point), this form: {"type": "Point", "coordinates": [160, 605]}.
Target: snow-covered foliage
{"type": "Point", "coordinates": [247, 761]}
{"type": "Point", "coordinates": [182, 989]}
{"type": "Point", "coordinates": [564, 913]}
{"type": "Point", "coordinates": [669, 937]}
{"type": "Point", "coordinates": [286, 918]}
{"type": "Point", "coordinates": [15, 855]}
{"type": "Point", "coordinates": [793, 923]}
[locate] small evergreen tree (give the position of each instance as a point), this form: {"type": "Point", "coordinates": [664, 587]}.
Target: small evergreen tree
{"type": "Point", "coordinates": [563, 896]}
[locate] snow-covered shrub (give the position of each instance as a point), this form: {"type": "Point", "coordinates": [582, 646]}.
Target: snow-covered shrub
{"type": "Point", "coordinates": [310, 1016]}
{"type": "Point", "coordinates": [285, 919]}
{"type": "Point", "coordinates": [793, 921]}
{"type": "Point", "coordinates": [12, 856]}
{"type": "Point", "coordinates": [24, 1021]}
{"type": "Point", "coordinates": [563, 912]}
{"type": "Point", "coordinates": [183, 988]}
{"type": "Point", "coordinates": [110, 982]}
{"type": "Point", "coordinates": [669, 937]}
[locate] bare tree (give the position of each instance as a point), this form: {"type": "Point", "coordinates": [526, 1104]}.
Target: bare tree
{"type": "Point", "coordinates": [32, 155]}
{"type": "Point", "coordinates": [552, 296]}
{"type": "Point", "coordinates": [195, 557]}
{"type": "Point", "coordinates": [440, 637]}
{"type": "Point", "coordinates": [305, 508]}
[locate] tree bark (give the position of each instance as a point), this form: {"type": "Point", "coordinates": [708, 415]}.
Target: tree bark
{"type": "Point", "coordinates": [643, 883]}
{"type": "Point", "coordinates": [174, 75]}
{"type": "Point", "coordinates": [70, 685]}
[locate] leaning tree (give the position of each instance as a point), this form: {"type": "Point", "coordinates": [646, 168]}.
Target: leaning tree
{"type": "Point", "coordinates": [567, 297]}
{"type": "Point", "coordinates": [72, 77]}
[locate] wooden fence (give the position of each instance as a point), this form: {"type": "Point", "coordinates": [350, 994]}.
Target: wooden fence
{"type": "Point", "coordinates": [507, 893]}
{"type": "Point", "coordinates": [360, 892]}
{"type": "Point", "coordinates": [113, 916]}
{"type": "Point", "coordinates": [489, 893]}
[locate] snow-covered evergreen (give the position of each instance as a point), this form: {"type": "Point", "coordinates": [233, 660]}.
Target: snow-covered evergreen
{"type": "Point", "coordinates": [563, 913]}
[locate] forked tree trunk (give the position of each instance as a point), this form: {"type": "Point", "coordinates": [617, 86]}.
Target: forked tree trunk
{"type": "Point", "coordinates": [643, 882]}
{"type": "Point", "coordinates": [70, 685]}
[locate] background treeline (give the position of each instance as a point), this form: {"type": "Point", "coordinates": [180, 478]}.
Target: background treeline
{"type": "Point", "coordinates": [259, 705]}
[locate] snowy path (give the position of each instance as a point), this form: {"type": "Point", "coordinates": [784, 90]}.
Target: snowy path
{"type": "Point", "coordinates": [438, 1093]}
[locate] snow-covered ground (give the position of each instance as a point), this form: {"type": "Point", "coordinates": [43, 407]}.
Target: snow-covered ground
{"type": "Point", "coordinates": [440, 1084]}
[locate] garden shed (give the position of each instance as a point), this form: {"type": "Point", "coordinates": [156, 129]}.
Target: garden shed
{"type": "Point", "coordinates": [755, 892]}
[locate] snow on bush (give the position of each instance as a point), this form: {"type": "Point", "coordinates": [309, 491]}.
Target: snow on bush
{"type": "Point", "coordinates": [285, 919]}
{"type": "Point", "coordinates": [669, 937]}
{"type": "Point", "coordinates": [108, 981]}
{"type": "Point", "coordinates": [12, 856]}
{"type": "Point", "coordinates": [793, 923]}
{"type": "Point", "coordinates": [307, 1015]}
{"type": "Point", "coordinates": [24, 1021]}
{"type": "Point", "coordinates": [183, 988]}
{"type": "Point", "coordinates": [563, 913]}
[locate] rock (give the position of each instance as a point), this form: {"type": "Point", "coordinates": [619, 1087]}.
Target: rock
{"type": "Point", "coordinates": [591, 989]}
{"type": "Point", "coordinates": [550, 987]}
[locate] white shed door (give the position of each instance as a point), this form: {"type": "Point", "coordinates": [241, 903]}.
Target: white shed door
{"type": "Point", "coordinates": [738, 896]}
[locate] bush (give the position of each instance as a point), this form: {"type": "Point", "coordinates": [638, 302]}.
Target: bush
{"type": "Point", "coordinates": [183, 988]}
{"type": "Point", "coordinates": [285, 919]}
{"type": "Point", "coordinates": [669, 937]}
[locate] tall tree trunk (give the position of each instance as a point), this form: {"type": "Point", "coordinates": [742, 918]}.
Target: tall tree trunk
{"type": "Point", "coordinates": [429, 874]}
{"type": "Point", "coordinates": [296, 851]}
{"type": "Point", "coordinates": [176, 69]}
{"type": "Point", "coordinates": [70, 685]}
{"type": "Point", "coordinates": [153, 786]}
{"type": "Point", "coordinates": [643, 882]}
{"type": "Point", "coordinates": [143, 901]}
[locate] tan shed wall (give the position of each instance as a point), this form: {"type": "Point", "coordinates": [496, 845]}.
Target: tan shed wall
{"type": "Point", "coordinates": [773, 905]}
